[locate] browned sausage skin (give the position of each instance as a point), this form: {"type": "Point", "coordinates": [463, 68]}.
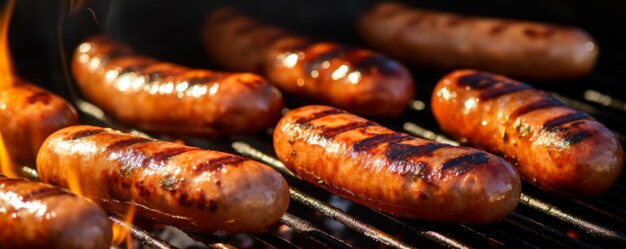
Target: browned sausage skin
{"type": "Point", "coordinates": [359, 80]}
{"type": "Point", "coordinates": [555, 147]}
{"type": "Point", "coordinates": [37, 215]}
{"type": "Point", "coordinates": [448, 41]}
{"type": "Point", "coordinates": [394, 172]}
{"type": "Point", "coordinates": [28, 114]}
{"type": "Point", "coordinates": [190, 188]}
{"type": "Point", "coordinates": [164, 97]}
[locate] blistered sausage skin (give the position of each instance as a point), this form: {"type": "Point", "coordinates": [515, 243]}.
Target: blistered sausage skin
{"type": "Point", "coordinates": [164, 97]}
{"type": "Point", "coordinates": [394, 172]}
{"type": "Point", "coordinates": [448, 41]}
{"type": "Point", "coordinates": [28, 114]}
{"type": "Point", "coordinates": [187, 187]}
{"type": "Point", "coordinates": [37, 215]}
{"type": "Point", "coordinates": [555, 147]}
{"type": "Point", "coordinates": [358, 80]}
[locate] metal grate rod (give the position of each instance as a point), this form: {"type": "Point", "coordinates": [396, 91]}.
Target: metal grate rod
{"type": "Point", "coordinates": [432, 235]}
{"type": "Point", "coordinates": [544, 231]}
{"type": "Point", "coordinates": [588, 227]}
{"type": "Point", "coordinates": [142, 236]}
{"type": "Point", "coordinates": [304, 227]}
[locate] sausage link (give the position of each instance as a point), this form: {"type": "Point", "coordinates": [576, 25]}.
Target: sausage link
{"type": "Point", "coordinates": [358, 80]}
{"type": "Point", "coordinates": [190, 188]}
{"type": "Point", "coordinates": [555, 147]}
{"type": "Point", "coordinates": [164, 97]}
{"type": "Point", "coordinates": [448, 41]}
{"type": "Point", "coordinates": [37, 215]}
{"type": "Point", "coordinates": [394, 172]}
{"type": "Point", "coordinates": [28, 114]}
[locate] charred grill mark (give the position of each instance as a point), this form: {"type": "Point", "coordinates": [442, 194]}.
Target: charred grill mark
{"type": "Point", "coordinates": [43, 192]}
{"type": "Point", "coordinates": [85, 133]}
{"type": "Point", "coordinates": [533, 106]}
{"type": "Point", "coordinates": [373, 62]}
{"type": "Point", "coordinates": [401, 152]}
{"type": "Point", "coordinates": [462, 164]}
{"type": "Point", "coordinates": [218, 163]}
{"type": "Point", "coordinates": [331, 132]}
{"type": "Point", "coordinates": [479, 80]}
{"type": "Point", "coordinates": [314, 61]}
{"type": "Point", "coordinates": [371, 142]}
{"type": "Point", "coordinates": [318, 115]}
{"type": "Point", "coordinates": [556, 122]}
{"type": "Point", "coordinates": [499, 27]}
{"type": "Point", "coordinates": [495, 92]}
{"type": "Point", "coordinates": [455, 21]}
{"type": "Point", "coordinates": [39, 97]}
{"type": "Point", "coordinates": [546, 33]}
{"type": "Point", "coordinates": [168, 153]}
{"type": "Point", "coordinates": [119, 144]}
{"type": "Point", "coordinates": [575, 137]}
{"type": "Point", "coordinates": [205, 80]}
{"type": "Point", "coordinates": [135, 68]}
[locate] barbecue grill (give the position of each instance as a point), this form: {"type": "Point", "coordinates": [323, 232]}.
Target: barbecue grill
{"type": "Point", "coordinates": [170, 31]}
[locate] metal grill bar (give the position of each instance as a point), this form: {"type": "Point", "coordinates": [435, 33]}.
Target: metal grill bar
{"type": "Point", "coordinates": [544, 231]}
{"type": "Point", "coordinates": [432, 235]}
{"type": "Point", "coordinates": [144, 237]}
{"type": "Point", "coordinates": [304, 227]}
{"type": "Point", "coordinates": [272, 241]}
{"type": "Point", "coordinates": [588, 227]}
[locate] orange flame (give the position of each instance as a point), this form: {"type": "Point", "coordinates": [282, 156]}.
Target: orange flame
{"type": "Point", "coordinates": [6, 165]}
{"type": "Point", "coordinates": [121, 233]}
{"type": "Point", "coordinates": [6, 68]}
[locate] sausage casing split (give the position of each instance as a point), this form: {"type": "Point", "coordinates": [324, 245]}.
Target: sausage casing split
{"type": "Point", "coordinates": [190, 188]}
{"type": "Point", "coordinates": [394, 172]}
{"type": "Point", "coordinates": [359, 80]}
{"type": "Point", "coordinates": [555, 147]}
{"type": "Point", "coordinates": [164, 97]}
{"type": "Point", "coordinates": [28, 114]}
{"type": "Point", "coordinates": [37, 215]}
{"type": "Point", "coordinates": [448, 41]}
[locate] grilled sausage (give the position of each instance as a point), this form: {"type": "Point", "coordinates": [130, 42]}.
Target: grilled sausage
{"type": "Point", "coordinates": [37, 215]}
{"type": "Point", "coordinates": [190, 188]}
{"type": "Point", "coordinates": [28, 114]}
{"type": "Point", "coordinates": [555, 147]}
{"type": "Point", "coordinates": [394, 172]}
{"type": "Point", "coordinates": [448, 41]}
{"type": "Point", "coordinates": [164, 97]}
{"type": "Point", "coordinates": [355, 79]}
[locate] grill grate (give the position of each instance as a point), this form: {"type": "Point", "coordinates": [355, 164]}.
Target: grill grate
{"type": "Point", "coordinates": [537, 222]}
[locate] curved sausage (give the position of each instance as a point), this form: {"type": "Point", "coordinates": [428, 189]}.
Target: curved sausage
{"type": "Point", "coordinates": [354, 79]}
{"type": "Point", "coordinates": [28, 114]}
{"type": "Point", "coordinates": [448, 41]}
{"type": "Point", "coordinates": [190, 188]}
{"type": "Point", "coordinates": [394, 172]}
{"type": "Point", "coordinates": [164, 97]}
{"type": "Point", "coordinates": [555, 147]}
{"type": "Point", "coordinates": [37, 215]}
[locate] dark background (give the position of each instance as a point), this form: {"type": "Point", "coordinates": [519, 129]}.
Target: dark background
{"type": "Point", "coordinates": [169, 30]}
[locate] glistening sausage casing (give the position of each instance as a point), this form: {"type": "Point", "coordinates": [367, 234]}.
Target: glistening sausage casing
{"type": "Point", "coordinates": [37, 215]}
{"type": "Point", "coordinates": [358, 80]}
{"type": "Point", "coordinates": [164, 97]}
{"type": "Point", "coordinates": [448, 41]}
{"type": "Point", "coordinates": [28, 114]}
{"type": "Point", "coordinates": [394, 172]}
{"type": "Point", "coordinates": [555, 147]}
{"type": "Point", "coordinates": [190, 188]}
